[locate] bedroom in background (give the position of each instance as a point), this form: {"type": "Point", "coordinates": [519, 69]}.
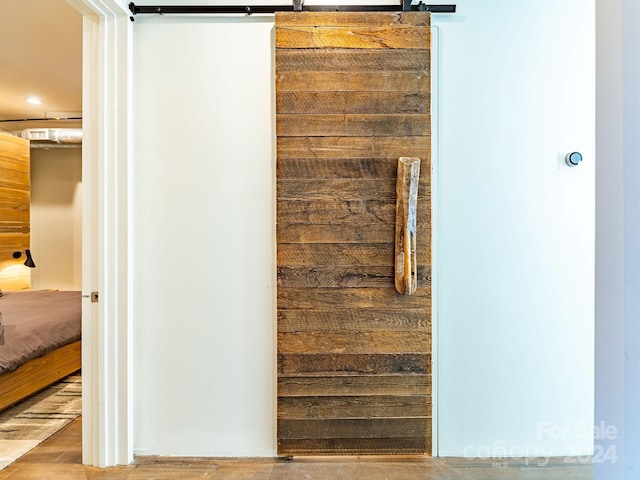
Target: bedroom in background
{"type": "Point", "coordinates": [40, 206]}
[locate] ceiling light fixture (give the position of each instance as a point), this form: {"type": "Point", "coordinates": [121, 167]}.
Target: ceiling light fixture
{"type": "Point", "coordinates": [34, 101]}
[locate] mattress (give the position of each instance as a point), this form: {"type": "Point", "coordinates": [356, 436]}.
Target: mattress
{"type": "Point", "coordinates": [35, 323]}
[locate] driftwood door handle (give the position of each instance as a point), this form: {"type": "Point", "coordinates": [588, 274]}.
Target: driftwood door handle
{"type": "Point", "coordinates": [406, 269]}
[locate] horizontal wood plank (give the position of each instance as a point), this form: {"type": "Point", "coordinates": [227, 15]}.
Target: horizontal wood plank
{"type": "Point", "coordinates": [354, 147]}
{"type": "Point", "coordinates": [340, 212]}
{"type": "Point", "coordinates": [340, 276]}
{"type": "Point", "coordinates": [350, 60]}
{"type": "Point", "coordinates": [329, 320]}
{"type": "Point", "coordinates": [332, 254]}
{"type": "Point", "coordinates": [14, 217]}
{"type": "Point", "coordinates": [380, 298]}
{"type": "Point", "coordinates": [354, 428]}
{"type": "Point", "coordinates": [332, 276]}
{"type": "Point", "coordinates": [15, 198]}
{"type": "Point", "coordinates": [366, 406]}
{"type": "Point", "coordinates": [355, 446]}
{"type": "Point", "coordinates": [357, 385]}
{"type": "Point", "coordinates": [348, 125]}
{"type": "Point", "coordinates": [14, 179]}
{"type": "Point", "coordinates": [345, 168]}
{"type": "Point", "coordinates": [332, 168]}
{"type": "Point", "coordinates": [341, 189]}
{"type": "Point", "coordinates": [352, 19]}
{"type": "Point", "coordinates": [366, 36]}
{"type": "Point", "coordinates": [348, 233]}
{"type": "Point", "coordinates": [337, 103]}
{"type": "Point", "coordinates": [355, 342]}
{"type": "Point", "coordinates": [14, 227]}
{"type": "Point", "coordinates": [377, 81]}
{"type": "Point", "coordinates": [12, 240]}
{"type": "Point", "coordinates": [343, 254]}
{"type": "Point", "coordinates": [353, 364]}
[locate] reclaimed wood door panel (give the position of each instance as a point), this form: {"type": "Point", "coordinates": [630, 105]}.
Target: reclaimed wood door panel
{"type": "Point", "coordinates": [354, 356]}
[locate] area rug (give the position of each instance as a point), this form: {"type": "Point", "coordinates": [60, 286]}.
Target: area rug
{"type": "Point", "coordinates": [30, 422]}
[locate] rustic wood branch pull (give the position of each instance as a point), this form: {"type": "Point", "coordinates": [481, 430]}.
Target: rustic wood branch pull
{"type": "Point", "coordinates": [406, 274]}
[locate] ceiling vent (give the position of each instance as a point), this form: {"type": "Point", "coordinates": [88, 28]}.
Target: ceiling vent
{"type": "Point", "coordinates": [53, 137]}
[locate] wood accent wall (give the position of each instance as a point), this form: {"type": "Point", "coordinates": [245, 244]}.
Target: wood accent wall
{"type": "Point", "coordinates": [354, 356]}
{"type": "Point", "coordinates": [15, 203]}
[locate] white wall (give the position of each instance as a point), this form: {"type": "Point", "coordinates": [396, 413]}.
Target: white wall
{"type": "Point", "coordinates": [204, 243]}
{"type": "Point", "coordinates": [631, 185]}
{"type": "Point", "coordinates": [204, 237]}
{"type": "Point", "coordinates": [56, 218]}
{"type": "Point", "coordinates": [515, 232]}
{"type": "Point", "coordinates": [618, 237]}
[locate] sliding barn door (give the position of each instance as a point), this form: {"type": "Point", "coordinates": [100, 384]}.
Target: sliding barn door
{"type": "Point", "coordinates": [354, 356]}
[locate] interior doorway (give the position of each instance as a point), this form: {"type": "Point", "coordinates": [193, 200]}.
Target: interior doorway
{"type": "Point", "coordinates": [40, 98]}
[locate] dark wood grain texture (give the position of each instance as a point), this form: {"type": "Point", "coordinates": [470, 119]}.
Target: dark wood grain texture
{"type": "Point", "coordinates": [354, 385]}
{"type": "Point", "coordinates": [353, 364]}
{"type": "Point", "coordinates": [339, 212]}
{"type": "Point", "coordinates": [379, 341]}
{"type": "Point", "coordinates": [332, 103]}
{"type": "Point", "coordinates": [362, 125]}
{"type": "Point", "coordinates": [328, 320]}
{"type": "Point", "coordinates": [354, 428]}
{"type": "Point", "coordinates": [369, 406]}
{"type": "Point", "coordinates": [354, 355]}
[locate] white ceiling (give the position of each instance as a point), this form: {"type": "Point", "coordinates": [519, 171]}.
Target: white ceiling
{"type": "Point", "coordinates": [41, 56]}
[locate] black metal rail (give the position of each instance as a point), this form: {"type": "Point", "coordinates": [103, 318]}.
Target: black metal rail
{"type": "Point", "coordinates": [249, 9]}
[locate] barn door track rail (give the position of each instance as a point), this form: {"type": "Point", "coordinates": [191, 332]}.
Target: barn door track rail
{"type": "Point", "coordinates": [404, 6]}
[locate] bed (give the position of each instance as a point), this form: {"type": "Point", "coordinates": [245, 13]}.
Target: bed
{"type": "Point", "coordinates": [39, 341]}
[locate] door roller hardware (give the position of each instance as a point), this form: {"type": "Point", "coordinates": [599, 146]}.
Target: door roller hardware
{"type": "Point", "coordinates": [573, 159]}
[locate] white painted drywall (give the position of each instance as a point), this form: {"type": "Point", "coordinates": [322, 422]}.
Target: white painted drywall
{"type": "Point", "coordinates": [618, 237]}
{"type": "Point", "coordinates": [515, 359]}
{"type": "Point", "coordinates": [56, 218]}
{"type": "Point", "coordinates": [515, 233]}
{"type": "Point", "coordinates": [631, 185]}
{"type": "Point", "coordinates": [204, 237]}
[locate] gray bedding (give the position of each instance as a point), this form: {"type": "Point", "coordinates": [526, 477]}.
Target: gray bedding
{"type": "Point", "coordinates": [35, 323]}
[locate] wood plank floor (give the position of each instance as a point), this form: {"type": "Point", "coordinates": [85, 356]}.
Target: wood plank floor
{"type": "Point", "coordinates": [59, 458]}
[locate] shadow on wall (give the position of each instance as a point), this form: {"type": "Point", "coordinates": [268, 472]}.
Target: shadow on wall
{"type": "Point", "coordinates": [56, 218]}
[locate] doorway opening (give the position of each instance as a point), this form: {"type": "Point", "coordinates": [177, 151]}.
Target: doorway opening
{"type": "Point", "coordinates": [41, 211]}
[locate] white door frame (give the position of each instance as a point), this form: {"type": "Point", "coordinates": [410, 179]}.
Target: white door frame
{"type": "Point", "coordinates": [107, 433]}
